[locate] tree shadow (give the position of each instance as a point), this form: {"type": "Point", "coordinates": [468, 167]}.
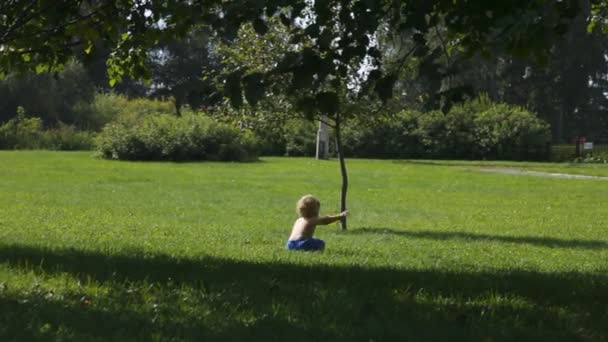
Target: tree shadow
{"type": "Point", "coordinates": [531, 240]}
{"type": "Point", "coordinates": [162, 297]}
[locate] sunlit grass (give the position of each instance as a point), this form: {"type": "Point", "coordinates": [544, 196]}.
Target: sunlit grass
{"type": "Point", "coordinates": [93, 249]}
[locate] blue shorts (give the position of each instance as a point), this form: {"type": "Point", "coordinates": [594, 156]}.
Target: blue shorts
{"type": "Point", "coordinates": [305, 244]}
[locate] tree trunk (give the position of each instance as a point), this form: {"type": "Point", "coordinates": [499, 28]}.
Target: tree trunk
{"type": "Point", "coordinates": [343, 171]}
{"type": "Point", "coordinates": [178, 106]}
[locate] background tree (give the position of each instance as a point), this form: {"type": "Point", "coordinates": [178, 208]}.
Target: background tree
{"type": "Point", "coordinates": [177, 70]}
{"type": "Point", "coordinates": [54, 97]}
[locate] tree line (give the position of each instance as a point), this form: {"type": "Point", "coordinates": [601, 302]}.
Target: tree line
{"type": "Point", "coordinates": [564, 82]}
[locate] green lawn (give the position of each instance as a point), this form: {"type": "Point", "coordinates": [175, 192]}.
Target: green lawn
{"type": "Point", "coordinates": [103, 250]}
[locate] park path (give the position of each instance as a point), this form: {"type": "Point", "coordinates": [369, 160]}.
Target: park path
{"type": "Point", "coordinates": [514, 171]}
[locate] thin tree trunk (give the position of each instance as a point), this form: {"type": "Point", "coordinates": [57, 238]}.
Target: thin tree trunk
{"type": "Point", "coordinates": [178, 106]}
{"type": "Point", "coordinates": [342, 170]}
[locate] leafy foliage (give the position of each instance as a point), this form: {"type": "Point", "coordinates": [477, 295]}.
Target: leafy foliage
{"type": "Point", "coordinates": [21, 132]}
{"type": "Point", "coordinates": [54, 98]}
{"type": "Point", "coordinates": [333, 36]}
{"type": "Point", "coordinates": [180, 68]}
{"type": "Point", "coordinates": [476, 129]}
{"type": "Point", "coordinates": [599, 158]}
{"type": "Point", "coordinates": [166, 137]}
{"type": "Point", "coordinates": [24, 132]}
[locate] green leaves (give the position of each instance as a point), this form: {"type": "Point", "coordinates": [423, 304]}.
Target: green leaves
{"type": "Point", "coordinates": [329, 44]}
{"type": "Point", "coordinates": [598, 20]}
{"type": "Point", "coordinates": [324, 103]}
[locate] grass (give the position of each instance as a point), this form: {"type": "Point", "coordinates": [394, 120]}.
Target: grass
{"type": "Point", "coordinates": [102, 250]}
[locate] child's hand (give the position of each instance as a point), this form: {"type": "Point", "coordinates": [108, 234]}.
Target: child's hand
{"type": "Point", "coordinates": [344, 213]}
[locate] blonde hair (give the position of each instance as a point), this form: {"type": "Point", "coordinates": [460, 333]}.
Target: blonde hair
{"type": "Point", "coordinates": [308, 206]}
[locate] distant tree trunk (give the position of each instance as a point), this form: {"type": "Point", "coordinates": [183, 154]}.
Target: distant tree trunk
{"type": "Point", "coordinates": [342, 170]}
{"type": "Point", "coordinates": [178, 106]}
{"type": "Point", "coordinates": [559, 127]}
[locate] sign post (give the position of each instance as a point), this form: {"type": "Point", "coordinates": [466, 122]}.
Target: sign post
{"type": "Point", "coordinates": [322, 139]}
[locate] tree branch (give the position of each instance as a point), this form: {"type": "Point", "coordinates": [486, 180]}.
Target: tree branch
{"type": "Point", "coordinates": [443, 47]}
{"type": "Point", "coordinates": [331, 125]}
{"type": "Point", "coordinates": [401, 62]}
{"type": "Point", "coordinates": [47, 31]}
{"type": "Point", "coordinates": [21, 20]}
{"type": "Point", "coordinates": [43, 49]}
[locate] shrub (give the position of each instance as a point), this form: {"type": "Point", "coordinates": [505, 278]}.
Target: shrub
{"type": "Point", "coordinates": [460, 129]}
{"type": "Point", "coordinates": [563, 153]}
{"type": "Point", "coordinates": [277, 133]}
{"type": "Point", "coordinates": [476, 129]}
{"type": "Point", "coordinates": [597, 158]}
{"type": "Point", "coordinates": [108, 107]}
{"type": "Point", "coordinates": [104, 108]}
{"type": "Point", "coordinates": [396, 137]}
{"type": "Point", "coordinates": [509, 132]}
{"type": "Point", "coordinates": [431, 134]}
{"type": "Point", "coordinates": [167, 137]}
{"type": "Point", "coordinates": [67, 138]}
{"type": "Point", "coordinates": [300, 138]}
{"type": "Point", "coordinates": [22, 132]}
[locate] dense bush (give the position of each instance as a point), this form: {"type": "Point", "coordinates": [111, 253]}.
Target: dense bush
{"type": "Point", "coordinates": [108, 107]}
{"type": "Point", "coordinates": [24, 132]}
{"type": "Point", "coordinates": [393, 137]}
{"type": "Point", "coordinates": [563, 153]}
{"type": "Point", "coordinates": [278, 133]}
{"type": "Point", "coordinates": [300, 138]}
{"type": "Point", "coordinates": [168, 137]}
{"type": "Point", "coordinates": [67, 138]}
{"type": "Point", "coordinates": [510, 132]}
{"type": "Point", "coordinates": [598, 158]}
{"type": "Point", "coordinates": [21, 132]}
{"type": "Point", "coordinates": [476, 129]}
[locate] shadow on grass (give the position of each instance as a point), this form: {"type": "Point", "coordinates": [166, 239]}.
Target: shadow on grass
{"type": "Point", "coordinates": [442, 235]}
{"type": "Point", "coordinates": [161, 297]}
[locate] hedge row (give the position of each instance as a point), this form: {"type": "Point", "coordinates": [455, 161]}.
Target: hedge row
{"type": "Point", "coordinates": [477, 129]}
{"type": "Point", "coordinates": [24, 132]}
{"type": "Point", "coordinates": [168, 137]}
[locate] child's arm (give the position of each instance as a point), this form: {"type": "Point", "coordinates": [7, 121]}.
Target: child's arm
{"type": "Point", "coordinates": [323, 220]}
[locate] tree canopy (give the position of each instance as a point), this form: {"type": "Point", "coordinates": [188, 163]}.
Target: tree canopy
{"type": "Point", "coordinates": [331, 36]}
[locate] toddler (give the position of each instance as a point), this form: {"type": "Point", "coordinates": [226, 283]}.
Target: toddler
{"type": "Point", "coordinates": [304, 227]}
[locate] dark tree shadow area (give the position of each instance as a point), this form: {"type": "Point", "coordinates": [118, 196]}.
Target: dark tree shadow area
{"type": "Point", "coordinates": [530, 240]}
{"type": "Point", "coordinates": [227, 300]}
